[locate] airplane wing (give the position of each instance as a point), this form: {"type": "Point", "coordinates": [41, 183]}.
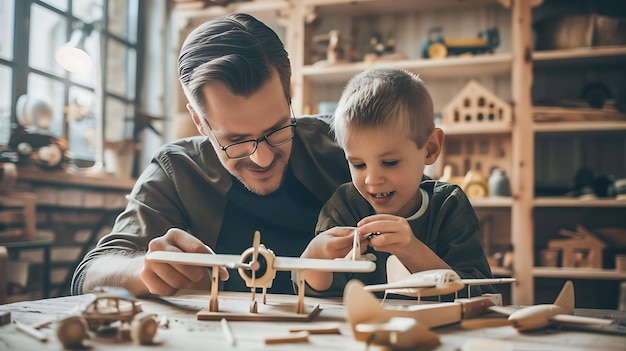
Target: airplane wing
{"type": "Point", "coordinates": [398, 324]}
{"type": "Point", "coordinates": [317, 264]}
{"type": "Point", "coordinates": [197, 259]}
{"type": "Point", "coordinates": [503, 309]}
{"type": "Point", "coordinates": [405, 284]}
{"type": "Point", "coordinates": [572, 319]}
{"type": "Point", "coordinates": [487, 281]}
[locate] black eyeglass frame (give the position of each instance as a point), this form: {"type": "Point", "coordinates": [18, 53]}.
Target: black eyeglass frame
{"type": "Point", "coordinates": [257, 140]}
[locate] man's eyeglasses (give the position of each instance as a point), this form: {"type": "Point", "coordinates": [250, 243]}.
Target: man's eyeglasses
{"type": "Point", "coordinates": [243, 149]}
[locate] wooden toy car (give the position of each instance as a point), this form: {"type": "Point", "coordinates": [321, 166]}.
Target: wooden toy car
{"type": "Point", "coordinates": [110, 308]}
{"type": "Point", "coordinates": [438, 47]}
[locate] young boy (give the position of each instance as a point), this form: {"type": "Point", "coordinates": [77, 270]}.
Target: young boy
{"type": "Point", "coordinates": [384, 121]}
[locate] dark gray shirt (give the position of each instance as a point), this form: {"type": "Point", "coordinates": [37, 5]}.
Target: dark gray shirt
{"type": "Point", "coordinates": [449, 227]}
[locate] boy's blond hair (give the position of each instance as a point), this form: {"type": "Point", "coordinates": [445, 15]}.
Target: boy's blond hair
{"type": "Point", "coordinates": [386, 98]}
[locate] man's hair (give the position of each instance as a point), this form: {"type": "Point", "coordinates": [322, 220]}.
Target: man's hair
{"type": "Point", "coordinates": [237, 50]}
{"type": "Point", "coordinates": [390, 99]}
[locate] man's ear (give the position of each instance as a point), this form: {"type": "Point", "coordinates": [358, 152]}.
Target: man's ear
{"type": "Point", "coordinates": [433, 146]}
{"type": "Point", "coordinates": [196, 120]}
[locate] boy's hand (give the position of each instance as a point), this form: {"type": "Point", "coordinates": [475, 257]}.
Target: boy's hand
{"type": "Point", "coordinates": [392, 234]}
{"type": "Point", "coordinates": [165, 278]}
{"type": "Point", "coordinates": [333, 243]}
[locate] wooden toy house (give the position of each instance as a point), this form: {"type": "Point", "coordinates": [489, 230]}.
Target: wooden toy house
{"type": "Point", "coordinates": [476, 106]}
{"type": "Point", "coordinates": [582, 249]}
{"type": "Point", "coordinates": [477, 109]}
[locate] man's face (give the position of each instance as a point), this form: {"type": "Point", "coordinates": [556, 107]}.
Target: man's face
{"type": "Point", "coordinates": [235, 118]}
{"type": "Point", "coordinates": [386, 169]}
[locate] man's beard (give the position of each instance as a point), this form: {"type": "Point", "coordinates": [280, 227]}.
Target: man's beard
{"type": "Point", "coordinates": [247, 164]}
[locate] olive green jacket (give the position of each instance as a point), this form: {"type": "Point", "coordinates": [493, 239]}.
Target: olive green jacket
{"type": "Point", "coordinates": [185, 186]}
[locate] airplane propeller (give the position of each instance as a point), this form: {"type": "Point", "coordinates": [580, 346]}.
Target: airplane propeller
{"type": "Point", "coordinates": [254, 266]}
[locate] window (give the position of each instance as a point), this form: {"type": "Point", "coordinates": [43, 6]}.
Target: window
{"type": "Point", "coordinates": [30, 33]}
{"type": "Point", "coordinates": [6, 68]}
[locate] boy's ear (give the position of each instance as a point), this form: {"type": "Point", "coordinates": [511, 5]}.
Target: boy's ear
{"type": "Point", "coordinates": [196, 119]}
{"type": "Point", "coordinates": [433, 146]}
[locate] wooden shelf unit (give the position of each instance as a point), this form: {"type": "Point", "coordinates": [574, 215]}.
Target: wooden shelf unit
{"type": "Point", "coordinates": [451, 67]}
{"type": "Point", "coordinates": [509, 73]}
{"type": "Point", "coordinates": [578, 273]}
{"type": "Point", "coordinates": [575, 202]}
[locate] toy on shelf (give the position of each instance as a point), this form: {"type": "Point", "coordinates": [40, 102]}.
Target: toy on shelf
{"type": "Point", "coordinates": [448, 176]}
{"type": "Point", "coordinates": [257, 266]}
{"type": "Point", "coordinates": [436, 46]}
{"type": "Point", "coordinates": [475, 109]}
{"type": "Point", "coordinates": [582, 249]}
{"type": "Point", "coordinates": [337, 50]}
{"type": "Point", "coordinates": [382, 50]}
{"type": "Point", "coordinates": [476, 105]}
{"type": "Point", "coordinates": [499, 184]}
{"type": "Point", "coordinates": [474, 183]}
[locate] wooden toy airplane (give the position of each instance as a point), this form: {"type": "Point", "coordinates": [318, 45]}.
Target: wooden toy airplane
{"type": "Point", "coordinates": [539, 316]}
{"type": "Point", "coordinates": [257, 266]}
{"type": "Point", "coordinates": [406, 327]}
{"type": "Point", "coordinates": [434, 282]}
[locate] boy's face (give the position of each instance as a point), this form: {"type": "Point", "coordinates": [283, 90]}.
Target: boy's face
{"type": "Point", "coordinates": [235, 118]}
{"type": "Point", "coordinates": [387, 168]}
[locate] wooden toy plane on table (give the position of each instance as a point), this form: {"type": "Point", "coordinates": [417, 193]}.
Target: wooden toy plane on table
{"type": "Point", "coordinates": [257, 266]}
{"type": "Point", "coordinates": [540, 316]}
{"type": "Point", "coordinates": [434, 282]}
{"type": "Point", "coordinates": [406, 326]}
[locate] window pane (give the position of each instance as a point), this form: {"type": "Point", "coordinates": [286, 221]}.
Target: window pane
{"type": "Point", "coordinates": [59, 4]}
{"type": "Point", "coordinates": [47, 33]}
{"type": "Point", "coordinates": [40, 87]}
{"type": "Point", "coordinates": [5, 104]}
{"type": "Point", "coordinates": [118, 121]}
{"type": "Point", "coordinates": [6, 29]}
{"type": "Point", "coordinates": [87, 10]}
{"type": "Point", "coordinates": [122, 19]}
{"type": "Point", "coordinates": [120, 69]}
{"type": "Point", "coordinates": [82, 127]}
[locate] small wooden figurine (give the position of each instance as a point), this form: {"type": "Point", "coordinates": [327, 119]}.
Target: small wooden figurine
{"type": "Point", "coordinates": [335, 47]}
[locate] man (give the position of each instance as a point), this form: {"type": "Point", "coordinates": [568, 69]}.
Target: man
{"type": "Point", "coordinates": [254, 167]}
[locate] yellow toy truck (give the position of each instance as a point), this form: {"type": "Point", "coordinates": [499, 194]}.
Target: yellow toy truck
{"type": "Point", "coordinates": [438, 47]}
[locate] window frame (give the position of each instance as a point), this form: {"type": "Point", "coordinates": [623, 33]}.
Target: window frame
{"type": "Point", "coordinates": [20, 69]}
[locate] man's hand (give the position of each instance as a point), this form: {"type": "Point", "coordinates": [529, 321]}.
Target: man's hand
{"type": "Point", "coordinates": [166, 279]}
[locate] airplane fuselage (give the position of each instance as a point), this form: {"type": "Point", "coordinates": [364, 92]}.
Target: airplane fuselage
{"type": "Point", "coordinates": [535, 317]}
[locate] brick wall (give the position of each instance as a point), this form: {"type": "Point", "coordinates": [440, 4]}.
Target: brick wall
{"type": "Point", "coordinates": [74, 212]}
